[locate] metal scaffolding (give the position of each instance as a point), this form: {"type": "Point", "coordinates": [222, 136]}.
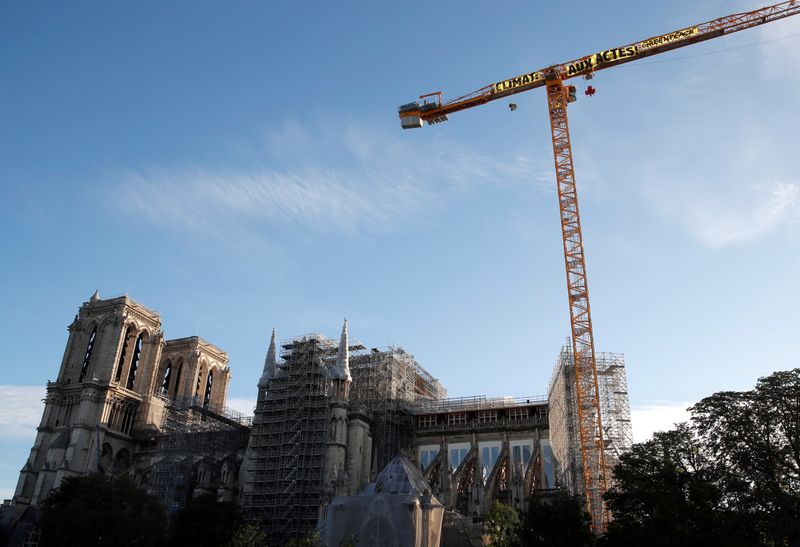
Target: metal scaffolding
{"type": "Point", "coordinates": [191, 434]}
{"type": "Point", "coordinates": [614, 410]}
{"type": "Point", "coordinates": [391, 374]}
{"type": "Point", "coordinates": [387, 384]}
{"type": "Point", "coordinates": [283, 485]}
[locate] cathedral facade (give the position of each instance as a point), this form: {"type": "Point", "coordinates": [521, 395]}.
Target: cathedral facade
{"type": "Point", "coordinates": [329, 416]}
{"type": "Point", "coordinates": [117, 378]}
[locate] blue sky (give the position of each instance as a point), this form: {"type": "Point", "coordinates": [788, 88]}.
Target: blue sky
{"type": "Point", "coordinates": [241, 166]}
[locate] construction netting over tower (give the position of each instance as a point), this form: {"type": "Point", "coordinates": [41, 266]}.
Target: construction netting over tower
{"type": "Point", "coordinates": [614, 410]}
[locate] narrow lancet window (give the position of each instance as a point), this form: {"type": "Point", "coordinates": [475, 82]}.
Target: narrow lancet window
{"type": "Point", "coordinates": [88, 356]}
{"type": "Point", "coordinates": [121, 363]}
{"type": "Point", "coordinates": [177, 380]}
{"type": "Point", "coordinates": [137, 352]}
{"type": "Point", "coordinates": [197, 385]}
{"type": "Point", "coordinates": [209, 381]}
{"type": "Point", "coordinates": [167, 374]}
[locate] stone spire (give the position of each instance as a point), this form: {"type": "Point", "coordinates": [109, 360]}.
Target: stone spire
{"type": "Point", "coordinates": [342, 369]}
{"type": "Point", "coordinates": [270, 363]}
{"type": "Point", "coordinates": [96, 296]}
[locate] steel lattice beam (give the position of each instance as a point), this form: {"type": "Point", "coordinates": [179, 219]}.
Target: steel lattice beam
{"type": "Point", "coordinates": [587, 394]}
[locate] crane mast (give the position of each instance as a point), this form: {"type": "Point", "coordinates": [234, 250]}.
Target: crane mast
{"type": "Point", "coordinates": [415, 114]}
{"type": "Point", "coordinates": [587, 397]}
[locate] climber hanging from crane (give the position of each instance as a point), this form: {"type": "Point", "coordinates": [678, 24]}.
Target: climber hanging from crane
{"type": "Point", "coordinates": [415, 114]}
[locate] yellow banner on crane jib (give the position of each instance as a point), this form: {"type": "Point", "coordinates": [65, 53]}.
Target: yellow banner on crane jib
{"type": "Point", "coordinates": [519, 81]}
{"type": "Point", "coordinates": [587, 64]}
{"type": "Point", "coordinates": [591, 62]}
{"type": "Point", "coordinates": [676, 36]}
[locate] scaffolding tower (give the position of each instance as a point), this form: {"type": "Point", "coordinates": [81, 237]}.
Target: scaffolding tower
{"type": "Point", "coordinates": [388, 383]}
{"type": "Point", "coordinates": [284, 482]}
{"type": "Point", "coordinates": [391, 374]}
{"type": "Point", "coordinates": [614, 410]}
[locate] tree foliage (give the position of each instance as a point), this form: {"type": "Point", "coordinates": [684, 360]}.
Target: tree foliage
{"type": "Point", "coordinates": [95, 510]}
{"type": "Point", "coordinates": [730, 477]}
{"type": "Point", "coordinates": [502, 524]}
{"type": "Point", "coordinates": [248, 535]}
{"type": "Point", "coordinates": [669, 493]}
{"type": "Point", "coordinates": [555, 519]}
{"type": "Point", "coordinates": [205, 522]}
{"type": "Point", "coordinates": [310, 540]}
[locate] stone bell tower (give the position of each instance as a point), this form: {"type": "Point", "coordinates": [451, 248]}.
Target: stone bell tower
{"type": "Point", "coordinates": [101, 400]}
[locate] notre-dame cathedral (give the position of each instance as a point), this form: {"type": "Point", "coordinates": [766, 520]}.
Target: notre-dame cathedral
{"type": "Point", "coordinates": [329, 416]}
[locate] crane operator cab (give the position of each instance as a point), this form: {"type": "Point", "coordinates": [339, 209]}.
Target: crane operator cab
{"type": "Point", "coordinates": [572, 93]}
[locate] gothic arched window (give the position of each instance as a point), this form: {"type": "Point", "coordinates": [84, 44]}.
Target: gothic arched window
{"type": "Point", "coordinates": [209, 381]}
{"type": "Point", "coordinates": [177, 380]}
{"type": "Point", "coordinates": [197, 385]}
{"type": "Point", "coordinates": [137, 352]}
{"type": "Point", "coordinates": [88, 356]}
{"type": "Point", "coordinates": [167, 374]}
{"type": "Point", "coordinates": [121, 362]}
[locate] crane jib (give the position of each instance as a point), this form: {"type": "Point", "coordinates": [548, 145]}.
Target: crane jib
{"type": "Point", "coordinates": [512, 83]}
{"type": "Point", "coordinates": [591, 62]}
{"type": "Point", "coordinates": [587, 64]}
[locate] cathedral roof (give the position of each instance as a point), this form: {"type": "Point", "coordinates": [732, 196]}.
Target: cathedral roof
{"type": "Point", "coordinates": [400, 476]}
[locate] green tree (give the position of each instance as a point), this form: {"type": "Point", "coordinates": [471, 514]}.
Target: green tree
{"type": "Point", "coordinates": [730, 477]}
{"type": "Point", "coordinates": [555, 520]}
{"type": "Point", "coordinates": [668, 492]}
{"type": "Point", "coordinates": [205, 522]}
{"type": "Point", "coordinates": [755, 436]}
{"type": "Point", "coordinates": [95, 510]}
{"type": "Point", "coordinates": [248, 535]}
{"type": "Point", "coordinates": [502, 524]}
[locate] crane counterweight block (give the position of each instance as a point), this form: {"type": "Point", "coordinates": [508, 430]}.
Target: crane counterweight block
{"type": "Point", "coordinates": [409, 115]}
{"type": "Point", "coordinates": [410, 122]}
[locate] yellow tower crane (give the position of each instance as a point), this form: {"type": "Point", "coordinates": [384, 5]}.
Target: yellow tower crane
{"type": "Point", "coordinates": [415, 114]}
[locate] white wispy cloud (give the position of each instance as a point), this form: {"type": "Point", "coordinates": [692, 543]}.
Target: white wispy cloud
{"type": "Point", "coordinates": [719, 218]}
{"type": "Point", "coordinates": [205, 199]}
{"type": "Point", "coordinates": [647, 418]}
{"type": "Point", "coordinates": [21, 411]}
{"type": "Point", "coordinates": [354, 180]}
{"type": "Point", "coordinates": [242, 404]}
{"type": "Point", "coordinates": [721, 168]}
